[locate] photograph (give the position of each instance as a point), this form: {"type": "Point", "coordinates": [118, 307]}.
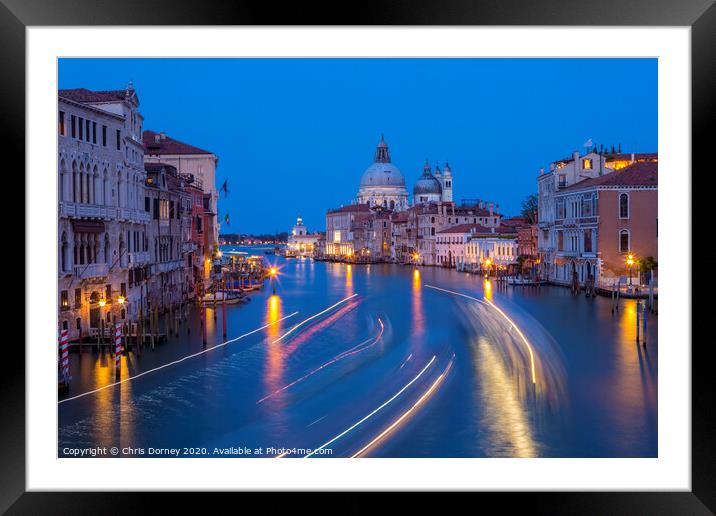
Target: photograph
{"type": "Point", "coordinates": [357, 257]}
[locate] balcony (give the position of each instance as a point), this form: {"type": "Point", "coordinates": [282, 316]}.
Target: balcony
{"type": "Point", "coordinates": [169, 266]}
{"type": "Point", "coordinates": [138, 258]}
{"type": "Point", "coordinates": [98, 211]}
{"type": "Point", "coordinates": [188, 247]}
{"type": "Point", "coordinates": [568, 254]}
{"type": "Point", "coordinates": [91, 270]}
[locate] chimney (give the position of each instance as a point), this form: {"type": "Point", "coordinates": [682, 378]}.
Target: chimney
{"type": "Point", "coordinates": [575, 156]}
{"type": "Point", "coordinates": [163, 135]}
{"type": "Point", "coordinates": [632, 157]}
{"type": "Point", "coordinates": [541, 171]}
{"type": "Point", "coordinates": [491, 206]}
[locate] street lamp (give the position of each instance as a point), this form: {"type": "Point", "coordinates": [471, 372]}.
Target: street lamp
{"type": "Point", "coordinates": [121, 299]}
{"type": "Point", "coordinates": [416, 258]}
{"type": "Point", "coordinates": [630, 262]}
{"type": "Point", "coordinates": [273, 271]}
{"type": "Point", "coordinates": [102, 302]}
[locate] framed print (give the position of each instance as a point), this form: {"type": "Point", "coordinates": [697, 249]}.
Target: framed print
{"type": "Point", "coordinates": [422, 246]}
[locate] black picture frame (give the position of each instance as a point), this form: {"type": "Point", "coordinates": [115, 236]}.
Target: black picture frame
{"type": "Point", "coordinates": [700, 15]}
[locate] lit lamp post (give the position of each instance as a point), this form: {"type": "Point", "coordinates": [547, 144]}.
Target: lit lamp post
{"type": "Point", "coordinates": [273, 272]}
{"type": "Point", "coordinates": [416, 259]}
{"type": "Point", "coordinates": [102, 302]}
{"type": "Point", "coordinates": [630, 263]}
{"type": "Point", "coordinates": [121, 300]}
{"type": "Point", "coordinates": [488, 262]}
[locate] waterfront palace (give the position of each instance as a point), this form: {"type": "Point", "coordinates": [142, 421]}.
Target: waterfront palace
{"type": "Point", "coordinates": [136, 213]}
{"type": "Point", "coordinates": [596, 219]}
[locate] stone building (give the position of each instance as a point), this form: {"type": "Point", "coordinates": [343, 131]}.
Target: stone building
{"type": "Point", "coordinates": [565, 221]}
{"type": "Point", "coordinates": [102, 220]}
{"type": "Point", "coordinates": [382, 183]}
{"type": "Point", "coordinates": [599, 222]}
{"type": "Point", "coordinates": [188, 159]}
{"type": "Point", "coordinates": [168, 230]}
{"type": "Point", "coordinates": [300, 241]}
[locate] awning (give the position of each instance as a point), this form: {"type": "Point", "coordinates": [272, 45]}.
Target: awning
{"type": "Point", "coordinates": [88, 226]}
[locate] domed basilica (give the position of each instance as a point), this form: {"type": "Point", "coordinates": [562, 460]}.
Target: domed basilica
{"type": "Point", "coordinates": [383, 185]}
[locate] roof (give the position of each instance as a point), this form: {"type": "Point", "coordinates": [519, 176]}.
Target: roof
{"type": "Point", "coordinates": [513, 221]}
{"type": "Point", "coordinates": [466, 228]}
{"type": "Point", "coordinates": [639, 174]}
{"type": "Point", "coordinates": [351, 208]}
{"type": "Point", "coordinates": [637, 156]}
{"type": "Point", "coordinates": [85, 96]}
{"type": "Point", "coordinates": [167, 145]}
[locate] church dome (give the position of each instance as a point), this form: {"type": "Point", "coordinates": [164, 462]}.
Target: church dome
{"type": "Point", "coordinates": [427, 184]}
{"type": "Point", "coordinates": [382, 172]}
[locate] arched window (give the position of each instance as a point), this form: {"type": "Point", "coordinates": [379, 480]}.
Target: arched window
{"type": "Point", "coordinates": [64, 253]}
{"type": "Point", "coordinates": [75, 182]}
{"type": "Point", "coordinates": [81, 192]}
{"type": "Point", "coordinates": [63, 179]}
{"type": "Point", "coordinates": [624, 243]}
{"type": "Point", "coordinates": [623, 206]}
{"type": "Point", "coordinates": [105, 187]}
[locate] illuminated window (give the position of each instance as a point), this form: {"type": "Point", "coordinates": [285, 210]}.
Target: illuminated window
{"type": "Point", "coordinates": [587, 164]}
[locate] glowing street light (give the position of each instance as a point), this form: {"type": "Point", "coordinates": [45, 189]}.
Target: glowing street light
{"type": "Point", "coordinates": [121, 300]}
{"type": "Point", "coordinates": [273, 272]}
{"type": "Point", "coordinates": [630, 263]}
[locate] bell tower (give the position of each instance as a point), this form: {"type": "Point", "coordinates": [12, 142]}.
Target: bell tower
{"type": "Point", "coordinates": [446, 181]}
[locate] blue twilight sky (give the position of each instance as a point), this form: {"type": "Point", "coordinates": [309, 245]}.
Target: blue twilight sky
{"type": "Point", "coordinates": [293, 136]}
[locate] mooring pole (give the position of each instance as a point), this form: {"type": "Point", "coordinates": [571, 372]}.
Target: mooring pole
{"type": "Point", "coordinates": [638, 313]}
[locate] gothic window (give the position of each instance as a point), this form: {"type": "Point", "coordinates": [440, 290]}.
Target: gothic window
{"type": "Point", "coordinates": [623, 206]}
{"type": "Point", "coordinates": [624, 243]}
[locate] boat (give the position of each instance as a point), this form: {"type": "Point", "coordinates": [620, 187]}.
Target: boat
{"type": "Point", "coordinates": [516, 280]}
{"type": "Point", "coordinates": [230, 297]}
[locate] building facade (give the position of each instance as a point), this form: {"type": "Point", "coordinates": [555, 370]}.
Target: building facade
{"type": "Point", "coordinates": [188, 159]}
{"type": "Point", "coordinates": [600, 222]}
{"type": "Point", "coordinates": [102, 222]}
{"type": "Point", "coordinates": [300, 241]}
{"type": "Point", "coordinates": [382, 183]}
{"type": "Point", "coordinates": [168, 230]}
{"type": "Point", "coordinates": [563, 176]}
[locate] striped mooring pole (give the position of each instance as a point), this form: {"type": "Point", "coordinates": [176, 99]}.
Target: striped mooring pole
{"type": "Point", "coordinates": [64, 356]}
{"type": "Point", "coordinates": [117, 345]}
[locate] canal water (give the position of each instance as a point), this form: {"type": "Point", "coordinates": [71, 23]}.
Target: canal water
{"type": "Point", "coordinates": [379, 361]}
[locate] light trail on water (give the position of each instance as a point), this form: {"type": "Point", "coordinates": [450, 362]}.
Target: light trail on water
{"type": "Point", "coordinates": [507, 318]}
{"type": "Point", "coordinates": [401, 391]}
{"type": "Point", "coordinates": [335, 359]}
{"type": "Point", "coordinates": [405, 414]}
{"type": "Point", "coordinates": [130, 378]}
{"type": "Point", "coordinates": [294, 328]}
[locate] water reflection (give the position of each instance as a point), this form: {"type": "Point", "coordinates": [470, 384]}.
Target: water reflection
{"type": "Point", "coordinates": [274, 354]}
{"type": "Point", "coordinates": [349, 280]}
{"type": "Point", "coordinates": [417, 306]}
{"type": "Point", "coordinates": [505, 419]}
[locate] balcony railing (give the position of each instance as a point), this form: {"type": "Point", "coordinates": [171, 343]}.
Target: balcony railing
{"type": "Point", "coordinates": [91, 270]}
{"type": "Point", "coordinates": [98, 211]}
{"type": "Point", "coordinates": [169, 266]}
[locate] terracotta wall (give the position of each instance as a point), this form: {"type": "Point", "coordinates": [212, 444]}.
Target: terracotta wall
{"type": "Point", "coordinates": [642, 224]}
